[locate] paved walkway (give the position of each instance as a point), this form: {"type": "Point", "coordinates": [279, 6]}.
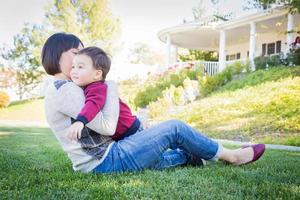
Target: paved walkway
{"type": "Point", "coordinates": [268, 146]}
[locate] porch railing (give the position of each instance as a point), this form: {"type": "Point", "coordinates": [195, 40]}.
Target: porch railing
{"type": "Point", "coordinates": [209, 67]}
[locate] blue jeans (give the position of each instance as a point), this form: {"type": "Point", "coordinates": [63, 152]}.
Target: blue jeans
{"type": "Point", "coordinates": [165, 145]}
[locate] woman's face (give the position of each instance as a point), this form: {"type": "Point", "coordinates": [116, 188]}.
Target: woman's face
{"type": "Point", "coordinates": [65, 61]}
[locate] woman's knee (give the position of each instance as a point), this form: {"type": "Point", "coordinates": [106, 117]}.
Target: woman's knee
{"type": "Point", "coordinates": [176, 124]}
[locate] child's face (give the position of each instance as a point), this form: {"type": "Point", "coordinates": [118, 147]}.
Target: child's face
{"type": "Point", "coordinates": [83, 72]}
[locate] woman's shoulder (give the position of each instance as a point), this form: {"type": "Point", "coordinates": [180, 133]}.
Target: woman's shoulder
{"type": "Point", "coordinates": [59, 83]}
{"type": "Point", "coordinates": [63, 88]}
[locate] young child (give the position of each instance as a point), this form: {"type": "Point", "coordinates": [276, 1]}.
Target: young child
{"type": "Point", "coordinates": [89, 70]}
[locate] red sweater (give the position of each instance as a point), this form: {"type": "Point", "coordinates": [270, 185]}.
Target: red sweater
{"type": "Point", "coordinates": [95, 97]}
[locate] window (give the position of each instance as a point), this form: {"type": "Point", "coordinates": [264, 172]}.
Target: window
{"type": "Point", "coordinates": [264, 49]}
{"type": "Point", "coordinates": [271, 48]}
{"type": "Point", "coordinates": [278, 46]}
{"type": "Point", "coordinates": [233, 56]}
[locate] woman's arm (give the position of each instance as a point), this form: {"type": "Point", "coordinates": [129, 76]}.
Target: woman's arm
{"type": "Point", "coordinates": [71, 100]}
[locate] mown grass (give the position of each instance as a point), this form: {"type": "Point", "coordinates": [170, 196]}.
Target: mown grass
{"type": "Point", "coordinates": [262, 106]}
{"type": "Point", "coordinates": [33, 166]}
{"type": "Point", "coordinates": [32, 110]}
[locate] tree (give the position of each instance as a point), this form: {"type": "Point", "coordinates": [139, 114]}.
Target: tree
{"type": "Point", "coordinates": [293, 5]}
{"type": "Point", "coordinates": [193, 55]}
{"type": "Point", "coordinates": [199, 10]}
{"type": "Point", "coordinates": [24, 58]}
{"type": "Point", "coordinates": [7, 77]}
{"type": "Point", "coordinates": [90, 20]}
{"type": "Point", "coordinates": [142, 53]}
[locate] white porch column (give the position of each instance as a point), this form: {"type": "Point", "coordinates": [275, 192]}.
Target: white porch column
{"type": "Point", "coordinates": [168, 41]}
{"type": "Point", "coordinates": [252, 45]}
{"type": "Point", "coordinates": [175, 54]}
{"type": "Point", "coordinates": [289, 35]}
{"type": "Point", "coordinates": [222, 50]}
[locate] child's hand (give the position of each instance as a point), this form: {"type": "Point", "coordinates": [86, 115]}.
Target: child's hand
{"type": "Point", "coordinates": [74, 132]}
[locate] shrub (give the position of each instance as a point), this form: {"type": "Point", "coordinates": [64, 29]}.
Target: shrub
{"type": "Point", "coordinates": [4, 100]}
{"type": "Point", "coordinates": [151, 92]}
{"type": "Point", "coordinates": [159, 107]}
{"type": "Point", "coordinates": [211, 83]}
{"type": "Point", "coordinates": [294, 57]}
{"type": "Point", "coordinates": [263, 62]}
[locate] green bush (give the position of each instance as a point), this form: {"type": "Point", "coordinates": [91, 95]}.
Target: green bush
{"type": "Point", "coordinates": [4, 100]}
{"type": "Point", "coordinates": [159, 107]}
{"type": "Point", "coordinates": [294, 57]}
{"type": "Point", "coordinates": [211, 83]}
{"type": "Point", "coordinates": [152, 92]}
{"type": "Point", "coordinates": [263, 62]}
{"type": "Point", "coordinates": [261, 76]}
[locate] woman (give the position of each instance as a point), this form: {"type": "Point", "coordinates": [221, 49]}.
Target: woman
{"type": "Point", "coordinates": [168, 144]}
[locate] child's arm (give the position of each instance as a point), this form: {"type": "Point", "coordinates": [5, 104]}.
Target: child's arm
{"type": "Point", "coordinates": [95, 97]}
{"type": "Point", "coordinates": [71, 99]}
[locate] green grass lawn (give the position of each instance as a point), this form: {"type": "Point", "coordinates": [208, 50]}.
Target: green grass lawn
{"type": "Point", "coordinates": [263, 106]}
{"type": "Point", "coordinates": [32, 110]}
{"type": "Point", "coordinates": [33, 166]}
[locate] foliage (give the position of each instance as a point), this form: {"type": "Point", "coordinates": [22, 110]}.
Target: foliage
{"type": "Point", "coordinates": [265, 104]}
{"type": "Point", "coordinates": [294, 5]}
{"type": "Point", "coordinates": [24, 57]}
{"type": "Point", "coordinates": [159, 107]}
{"type": "Point", "coordinates": [152, 91]}
{"type": "Point", "coordinates": [263, 62]}
{"type": "Point", "coordinates": [294, 57]}
{"type": "Point", "coordinates": [208, 84]}
{"type": "Point", "coordinates": [199, 10]}
{"type": "Point", "coordinates": [174, 96]}
{"type": "Point", "coordinates": [4, 99]}
{"type": "Point", "coordinates": [261, 76]}
{"type": "Point", "coordinates": [128, 89]}
{"type": "Point", "coordinates": [142, 53]}
{"type": "Point", "coordinates": [198, 55]}
{"type": "Point", "coordinates": [90, 20]}
{"type": "Point", "coordinates": [7, 77]}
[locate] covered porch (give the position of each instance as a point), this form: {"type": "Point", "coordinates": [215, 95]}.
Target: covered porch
{"type": "Point", "coordinates": [267, 32]}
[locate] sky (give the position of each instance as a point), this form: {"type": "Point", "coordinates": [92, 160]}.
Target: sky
{"type": "Point", "coordinates": [141, 20]}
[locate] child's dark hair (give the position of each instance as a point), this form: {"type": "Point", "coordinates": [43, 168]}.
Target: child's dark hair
{"type": "Point", "coordinates": [53, 49]}
{"type": "Point", "coordinates": [99, 57]}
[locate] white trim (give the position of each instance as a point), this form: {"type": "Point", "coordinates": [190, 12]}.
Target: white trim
{"type": "Point", "coordinates": [222, 56]}
{"type": "Point", "coordinates": [257, 17]}
{"type": "Point", "coordinates": [168, 39]}
{"type": "Point", "coordinates": [252, 44]}
{"type": "Point", "coordinates": [289, 35]}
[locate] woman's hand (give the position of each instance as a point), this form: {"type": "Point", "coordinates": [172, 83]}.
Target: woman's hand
{"type": "Point", "coordinates": [74, 132]}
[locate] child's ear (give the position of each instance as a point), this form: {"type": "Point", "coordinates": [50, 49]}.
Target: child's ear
{"type": "Point", "coordinates": [98, 75]}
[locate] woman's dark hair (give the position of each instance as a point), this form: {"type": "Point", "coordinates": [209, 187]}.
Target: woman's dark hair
{"type": "Point", "coordinates": [54, 47]}
{"type": "Point", "coordinates": [99, 57]}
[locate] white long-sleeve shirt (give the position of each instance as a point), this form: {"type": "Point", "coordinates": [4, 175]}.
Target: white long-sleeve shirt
{"type": "Point", "coordinates": [63, 101]}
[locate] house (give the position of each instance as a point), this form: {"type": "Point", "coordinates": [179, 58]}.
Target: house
{"type": "Point", "coordinates": [263, 32]}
